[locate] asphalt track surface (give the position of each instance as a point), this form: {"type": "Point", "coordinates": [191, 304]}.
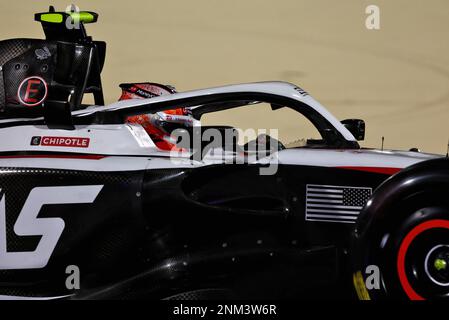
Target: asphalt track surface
{"type": "Point", "coordinates": [396, 78]}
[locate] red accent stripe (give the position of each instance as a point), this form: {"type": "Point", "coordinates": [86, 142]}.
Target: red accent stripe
{"type": "Point", "coordinates": [383, 170]}
{"type": "Point", "coordinates": [431, 224]}
{"type": "Point", "coordinates": [57, 156]}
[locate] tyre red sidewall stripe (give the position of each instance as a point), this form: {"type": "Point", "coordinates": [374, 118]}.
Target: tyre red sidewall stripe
{"type": "Point", "coordinates": [431, 224]}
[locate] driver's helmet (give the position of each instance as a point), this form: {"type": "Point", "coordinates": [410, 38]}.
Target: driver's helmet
{"type": "Point", "coordinates": [160, 124]}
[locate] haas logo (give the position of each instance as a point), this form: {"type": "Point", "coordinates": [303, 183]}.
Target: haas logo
{"type": "Point", "coordinates": [32, 91]}
{"type": "Point", "coordinates": [50, 229]}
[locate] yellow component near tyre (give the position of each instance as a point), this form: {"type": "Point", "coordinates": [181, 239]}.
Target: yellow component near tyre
{"type": "Point", "coordinates": [360, 287]}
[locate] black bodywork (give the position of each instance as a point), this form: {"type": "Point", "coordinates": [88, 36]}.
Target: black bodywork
{"type": "Point", "coordinates": [68, 63]}
{"type": "Point", "coordinates": [216, 231]}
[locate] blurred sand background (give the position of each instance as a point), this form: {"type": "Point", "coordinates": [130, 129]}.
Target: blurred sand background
{"type": "Point", "coordinates": [396, 78]}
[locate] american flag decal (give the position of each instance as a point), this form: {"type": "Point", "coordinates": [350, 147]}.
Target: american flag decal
{"type": "Point", "coordinates": [335, 203]}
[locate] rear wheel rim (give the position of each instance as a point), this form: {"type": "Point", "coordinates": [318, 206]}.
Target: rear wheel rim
{"type": "Point", "coordinates": [431, 258]}
{"type": "Point", "coordinates": [436, 265]}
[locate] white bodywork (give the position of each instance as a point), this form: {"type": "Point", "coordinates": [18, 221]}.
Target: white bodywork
{"type": "Point", "coordinates": [352, 158]}
{"type": "Point", "coordinates": [127, 147]}
{"type": "Point", "coordinates": [314, 157]}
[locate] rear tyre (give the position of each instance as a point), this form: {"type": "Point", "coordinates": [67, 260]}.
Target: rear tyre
{"type": "Point", "coordinates": [412, 255]}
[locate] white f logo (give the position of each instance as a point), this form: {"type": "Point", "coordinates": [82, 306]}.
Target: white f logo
{"type": "Point", "coordinates": [50, 229]}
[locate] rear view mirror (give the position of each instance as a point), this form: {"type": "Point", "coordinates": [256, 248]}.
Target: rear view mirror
{"type": "Point", "coordinates": [356, 127]}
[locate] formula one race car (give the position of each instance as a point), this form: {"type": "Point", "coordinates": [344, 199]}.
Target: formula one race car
{"type": "Point", "coordinates": [91, 208]}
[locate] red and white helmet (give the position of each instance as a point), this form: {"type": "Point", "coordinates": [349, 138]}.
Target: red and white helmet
{"type": "Point", "coordinates": [160, 124]}
{"type": "Point", "coordinates": [144, 90]}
